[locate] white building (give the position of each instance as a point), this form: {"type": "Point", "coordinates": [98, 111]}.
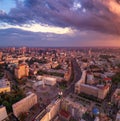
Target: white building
{"type": "Point", "coordinates": [90, 78]}
{"type": "Point", "coordinates": [50, 81]}
{"type": "Point", "coordinates": [82, 80]}
{"type": "Point", "coordinates": [47, 80]}
{"type": "Point", "coordinates": [3, 113]}
{"type": "Point", "coordinates": [25, 104]}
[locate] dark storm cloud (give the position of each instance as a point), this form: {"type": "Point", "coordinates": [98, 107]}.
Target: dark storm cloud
{"type": "Point", "coordinates": [79, 14]}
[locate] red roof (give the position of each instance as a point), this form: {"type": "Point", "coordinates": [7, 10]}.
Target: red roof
{"type": "Point", "coordinates": [107, 79]}
{"type": "Point", "coordinates": [65, 113]}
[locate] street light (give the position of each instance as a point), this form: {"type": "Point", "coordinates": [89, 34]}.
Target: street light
{"type": "Point", "coordinates": [60, 94]}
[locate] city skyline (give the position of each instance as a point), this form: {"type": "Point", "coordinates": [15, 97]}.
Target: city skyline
{"type": "Point", "coordinates": [60, 23]}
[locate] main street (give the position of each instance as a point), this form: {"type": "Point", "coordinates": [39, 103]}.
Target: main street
{"type": "Point", "coordinates": [77, 75]}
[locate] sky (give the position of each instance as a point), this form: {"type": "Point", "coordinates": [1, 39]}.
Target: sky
{"type": "Point", "coordinates": [60, 23]}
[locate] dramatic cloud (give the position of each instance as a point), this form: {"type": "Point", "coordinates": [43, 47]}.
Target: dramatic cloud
{"type": "Point", "coordinates": [97, 15]}
{"type": "Point", "coordinates": [38, 28]}
{"type": "Point", "coordinates": [17, 37]}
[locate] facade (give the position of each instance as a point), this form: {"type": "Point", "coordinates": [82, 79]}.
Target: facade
{"type": "Point", "coordinates": [1, 55]}
{"type": "Point", "coordinates": [102, 92]}
{"type": "Point", "coordinates": [88, 89]}
{"type": "Point", "coordinates": [74, 108]}
{"type": "Point", "coordinates": [67, 75]}
{"type": "Point", "coordinates": [118, 116]}
{"type": "Point", "coordinates": [4, 86]}
{"type": "Point", "coordinates": [52, 111]}
{"type": "Point", "coordinates": [47, 80]}
{"type": "Point", "coordinates": [25, 104]}
{"type": "Point", "coordinates": [81, 81]}
{"type": "Point", "coordinates": [21, 71]}
{"type": "Point", "coordinates": [116, 97]}
{"type": "Point", "coordinates": [99, 92]}
{"type": "Point", "coordinates": [64, 115]}
{"type": "Point", "coordinates": [3, 113]}
{"type": "Point", "coordinates": [90, 79]}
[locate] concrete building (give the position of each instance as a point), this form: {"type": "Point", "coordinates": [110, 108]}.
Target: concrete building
{"type": "Point", "coordinates": [116, 97]}
{"type": "Point", "coordinates": [47, 80]}
{"type": "Point", "coordinates": [25, 104]}
{"type": "Point", "coordinates": [3, 113]}
{"type": "Point", "coordinates": [82, 80]}
{"type": "Point", "coordinates": [90, 78]}
{"type": "Point", "coordinates": [88, 89]}
{"type": "Point", "coordinates": [103, 91]}
{"type": "Point", "coordinates": [74, 108]}
{"type": "Point", "coordinates": [51, 111]}
{"type": "Point", "coordinates": [99, 92]}
{"type": "Point", "coordinates": [21, 71]}
{"type": "Point", "coordinates": [33, 83]}
{"type": "Point", "coordinates": [118, 116]}
{"type": "Point", "coordinates": [67, 75]}
{"type": "Point", "coordinates": [64, 115]}
{"type": "Point", "coordinates": [4, 86]}
{"type": "Point", "coordinates": [1, 55]}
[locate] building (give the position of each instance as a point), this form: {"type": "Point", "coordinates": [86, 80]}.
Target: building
{"type": "Point", "coordinates": [82, 80]}
{"type": "Point", "coordinates": [1, 55]}
{"type": "Point", "coordinates": [25, 104]}
{"type": "Point", "coordinates": [68, 74]}
{"type": "Point", "coordinates": [118, 116]}
{"type": "Point", "coordinates": [50, 112]}
{"type": "Point", "coordinates": [47, 80]}
{"type": "Point", "coordinates": [50, 81]}
{"type": "Point", "coordinates": [99, 92]}
{"type": "Point", "coordinates": [116, 97]}
{"type": "Point", "coordinates": [3, 113]}
{"type": "Point", "coordinates": [90, 78]}
{"type": "Point", "coordinates": [73, 107]}
{"type": "Point", "coordinates": [4, 86]}
{"type": "Point", "coordinates": [85, 85]}
{"type": "Point", "coordinates": [64, 115]}
{"type": "Point", "coordinates": [88, 89]}
{"type": "Point", "coordinates": [21, 71]}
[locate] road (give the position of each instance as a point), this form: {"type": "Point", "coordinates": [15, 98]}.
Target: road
{"type": "Point", "coordinates": [77, 76]}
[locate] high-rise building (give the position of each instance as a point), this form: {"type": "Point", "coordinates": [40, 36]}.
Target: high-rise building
{"type": "Point", "coordinates": [21, 70]}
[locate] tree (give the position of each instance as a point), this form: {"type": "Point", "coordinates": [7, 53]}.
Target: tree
{"type": "Point", "coordinates": [116, 78]}
{"type": "Point", "coordinates": [8, 106]}
{"type": "Point", "coordinates": [22, 116]}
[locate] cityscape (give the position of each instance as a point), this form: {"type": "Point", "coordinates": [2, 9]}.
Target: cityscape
{"type": "Point", "coordinates": [59, 60]}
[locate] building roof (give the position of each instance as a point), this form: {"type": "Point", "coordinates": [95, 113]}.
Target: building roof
{"type": "Point", "coordinates": [95, 111]}
{"type": "Point", "coordinates": [107, 79]}
{"type": "Point", "coordinates": [64, 113]}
